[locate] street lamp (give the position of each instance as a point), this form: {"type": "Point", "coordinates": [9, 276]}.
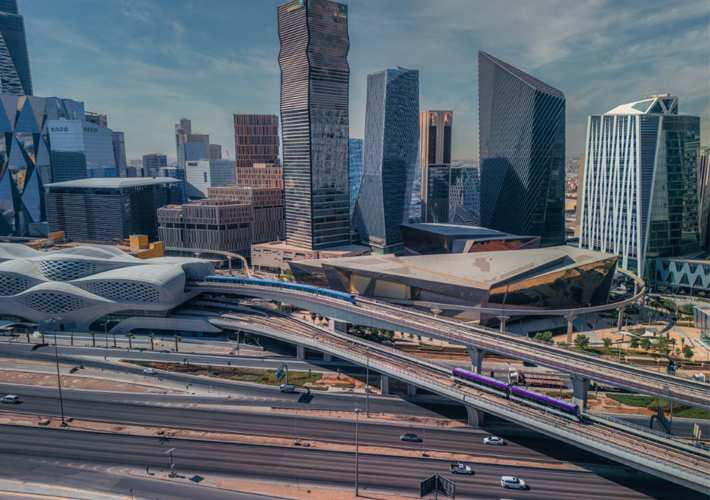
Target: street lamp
{"type": "Point", "coordinates": [106, 331]}
{"type": "Point", "coordinates": [367, 384]}
{"type": "Point", "coordinates": [172, 464]}
{"type": "Point", "coordinates": [357, 453]}
{"type": "Point", "coordinates": [56, 358]}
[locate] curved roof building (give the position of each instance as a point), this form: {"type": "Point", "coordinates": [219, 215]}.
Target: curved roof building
{"type": "Point", "coordinates": [83, 287]}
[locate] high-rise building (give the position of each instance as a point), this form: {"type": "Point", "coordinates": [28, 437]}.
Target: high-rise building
{"type": "Point", "coordinates": [640, 197]}
{"type": "Point", "coordinates": [179, 174]}
{"type": "Point", "coordinates": [97, 118]}
{"type": "Point", "coordinates": [256, 139]}
{"type": "Point", "coordinates": [355, 176]}
{"type": "Point", "coordinates": [704, 196]}
{"type": "Point", "coordinates": [153, 164]}
{"type": "Point", "coordinates": [80, 149]}
{"type": "Point", "coordinates": [15, 75]}
{"type": "Point", "coordinates": [522, 152]}
{"type": "Point", "coordinates": [193, 147]}
{"type": "Point", "coordinates": [390, 158]}
{"type": "Point", "coordinates": [465, 195]}
{"type": "Point", "coordinates": [260, 175]}
{"type": "Point", "coordinates": [203, 174]}
{"type": "Point", "coordinates": [214, 152]}
{"type": "Point", "coordinates": [119, 152]}
{"type": "Point", "coordinates": [100, 210]}
{"type": "Point", "coordinates": [315, 79]}
{"type": "Point", "coordinates": [435, 136]}
{"type": "Point", "coordinates": [182, 131]}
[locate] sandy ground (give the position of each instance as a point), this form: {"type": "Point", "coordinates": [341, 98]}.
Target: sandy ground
{"type": "Point", "coordinates": [73, 382]}
{"type": "Point", "coordinates": [380, 417]}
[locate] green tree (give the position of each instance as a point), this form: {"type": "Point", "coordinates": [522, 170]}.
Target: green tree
{"type": "Point", "coordinates": [662, 345]}
{"type": "Point", "coordinates": [544, 336]}
{"type": "Point", "coordinates": [607, 342]}
{"type": "Point", "coordinates": [687, 309]}
{"type": "Point", "coordinates": [634, 343]}
{"type": "Point", "coordinates": [687, 352]}
{"type": "Point", "coordinates": [581, 341]}
{"type": "Point", "coordinates": [645, 343]}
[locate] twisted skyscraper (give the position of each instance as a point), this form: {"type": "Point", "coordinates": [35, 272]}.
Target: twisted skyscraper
{"type": "Point", "coordinates": [15, 77]}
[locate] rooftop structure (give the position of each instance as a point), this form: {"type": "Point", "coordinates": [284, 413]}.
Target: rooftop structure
{"type": "Point", "coordinates": [276, 255]}
{"type": "Point", "coordinates": [430, 239]}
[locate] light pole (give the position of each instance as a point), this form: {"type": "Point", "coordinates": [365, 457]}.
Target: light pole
{"type": "Point", "coordinates": [56, 359]}
{"type": "Point", "coordinates": [367, 384]}
{"type": "Point", "coordinates": [172, 464]}
{"type": "Point", "coordinates": [357, 453]}
{"type": "Point", "coordinates": [106, 331]}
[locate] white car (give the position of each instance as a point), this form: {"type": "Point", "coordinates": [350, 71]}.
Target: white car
{"type": "Point", "coordinates": [10, 399]}
{"type": "Point", "coordinates": [494, 440]}
{"type": "Point", "coordinates": [513, 483]}
{"type": "Point", "coordinates": [149, 371]}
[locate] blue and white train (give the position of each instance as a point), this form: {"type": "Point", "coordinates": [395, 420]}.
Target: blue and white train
{"type": "Point", "coordinates": [513, 393]}
{"type": "Point", "coordinates": [284, 286]}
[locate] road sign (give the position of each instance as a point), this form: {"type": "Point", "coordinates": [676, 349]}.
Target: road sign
{"type": "Point", "coordinates": [697, 433]}
{"type": "Point", "coordinates": [437, 484]}
{"type": "Point", "coordinates": [280, 372]}
{"type": "Point", "coordinates": [661, 417]}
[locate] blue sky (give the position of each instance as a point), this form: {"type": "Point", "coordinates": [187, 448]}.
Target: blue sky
{"type": "Point", "coordinates": [146, 63]}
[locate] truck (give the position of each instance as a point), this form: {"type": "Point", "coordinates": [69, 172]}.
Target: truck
{"type": "Point", "coordinates": [459, 468]}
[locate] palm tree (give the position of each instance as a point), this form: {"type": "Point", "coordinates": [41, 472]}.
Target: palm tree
{"type": "Point", "coordinates": [130, 338]}
{"type": "Point", "coordinates": [41, 332]}
{"type": "Point", "coordinates": [152, 340]}
{"type": "Point", "coordinates": [177, 338]}
{"type": "Point", "coordinates": [72, 337]}
{"type": "Point", "coordinates": [114, 339]}
{"type": "Point", "coordinates": [93, 338]}
{"type": "Point", "coordinates": [28, 335]}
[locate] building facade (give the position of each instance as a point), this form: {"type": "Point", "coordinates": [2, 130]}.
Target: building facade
{"type": "Point", "coordinates": [435, 133]}
{"type": "Point", "coordinates": [25, 164]}
{"type": "Point", "coordinates": [80, 149]}
{"type": "Point", "coordinates": [522, 152]}
{"type": "Point", "coordinates": [119, 152]}
{"type": "Point", "coordinates": [179, 174]}
{"type": "Point", "coordinates": [15, 75]}
{"type": "Point", "coordinates": [153, 164]}
{"type": "Point", "coordinates": [256, 140]}
{"type": "Point", "coordinates": [390, 158]}
{"type": "Point", "coordinates": [355, 173]}
{"type": "Point", "coordinates": [640, 197]}
{"type": "Point", "coordinates": [260, 175]}
{"type": "Point", "coordinates": [193, 147]}
{"type": "Point", "coordinates": [267, 204]}
{"type": "Point", "coordinates": [465, 195]}
{"type": "Point", "coordinates": [315, 79]}
{"type": "Point", "coordinates": [704, 197]}
{"type": "Point", "coordinates": [101, 210]}
{"type": "Point", "coordinates": [203, 174]}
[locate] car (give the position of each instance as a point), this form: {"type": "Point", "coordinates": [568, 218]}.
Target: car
{"type": "Point", "coordinates": [494, 440]}
{"type": "Point", "coordinates": [10, 399]}
{"type": "Point", "coordinates": [510, 482]}
{"type": "Point", "coordinates": [411, 438]}
{"type": "Point", "coordinates": [287, 388]}
{"type": "Point", "coordinates": [149, 371]}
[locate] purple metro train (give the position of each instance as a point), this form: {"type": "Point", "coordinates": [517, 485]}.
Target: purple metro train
{"type": "Point", "coordinates": [514, 393]}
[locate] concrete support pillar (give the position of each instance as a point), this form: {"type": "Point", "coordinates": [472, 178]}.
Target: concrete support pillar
{"type": "Point", "coordinates": [338, 326]}
{"type": "Point", "coordinates": [300, 352]}
{"type": "Point", "coordinates": [620, 324]}
{"type": "Point", "coordinates": [411, 390]}
{"type": "Point", "coordinates": [327, 357]}
{"type": "Point", "coordinates": [384, 384]}
{"type": "Point", "coordinates": [570, 326]}
{"type": "Point", "coordinates": [477, 356]}
{"type": "Point", "coordinates": [475, 417]}
{"type": "Point", "coordinates": [503, 321]}
{"type": "Point", "coordinates": [580, 386]}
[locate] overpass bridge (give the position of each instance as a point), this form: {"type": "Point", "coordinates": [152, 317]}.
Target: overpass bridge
{"type": "Point", "coordinates": [480, 340]}
{"type": "Point", "coordinates": [657, 454]}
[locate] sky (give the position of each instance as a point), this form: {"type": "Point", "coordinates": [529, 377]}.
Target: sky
{"type": "Point", "coordinates": [147, 63]}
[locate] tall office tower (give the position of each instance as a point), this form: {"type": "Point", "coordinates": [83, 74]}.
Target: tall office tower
{"type": "Point", "coordinates": [214, 152]}
{"type": "Point", "coordinates": [179, 174]}
{"type": "Point", "coordinates": [15, 76]}
{"type": "Point", "coordinates": [119, 152]}
{"type": "Point", "coordinates": [522, 152]}
{"type": "Point", "coordinates": [355, 176]}
{"type": "Point", "coordinates": [256, 140]}
{"type": "Point", "coordinates": [640, 196]}
{"type": "Point", "coordinates": [26, 167]}
{"type": "Point", "coordinates": [182, 131]}
{"type": "Point", "coordinates": [193, 147]}
{"type": "Point", "coordinates": [465, 195]}
{"type": "Point", "coordinates": [315, 79]}
{"type": "Point", "coordinates": [435, 135]}
{"type": "Point", "coordinates": [704, 196]}
{"type": "Point", "coordinates": [390, 158]}
{"type": "Point", "coordinates": [153, 164]}
{"type": "Point", "coordinates": [79, 149]}
{"type": "Point", "coordinates": [203, 174]}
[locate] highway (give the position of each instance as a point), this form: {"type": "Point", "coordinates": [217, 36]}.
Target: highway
{"type": "Point", "coordinates": [382, 472]}
{"type": "Point", "coordinates": [375, 313]}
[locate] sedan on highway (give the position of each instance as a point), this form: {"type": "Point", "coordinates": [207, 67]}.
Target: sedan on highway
{"type": "Point", "coordinates": [10, 399]}
{"type": "Point", "coordinates": [411, 438]}
{"type": "Point", "coordinates": [494, 440]}
{"type": "Point", "coordinates": [513, 483]}
{"type": "Point", "coordinates": [149, 371]}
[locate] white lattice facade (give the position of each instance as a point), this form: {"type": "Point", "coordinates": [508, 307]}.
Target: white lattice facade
{"type": "Point", "coordinates": [79, 286]}
{"type": "Point", "coordinates": [690, 275]}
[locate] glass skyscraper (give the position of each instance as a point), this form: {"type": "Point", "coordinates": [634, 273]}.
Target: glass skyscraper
{"type": "Point", "coordinates": [465, 195]}
{"type": "Point", "coordinates": [25, 164]}
{"type": "Point", "coordinates": [15, 76]}
{"type": "Point", "coordinates": [355, 153]}
{"type": "Point", "coordinates": [640, 197]}
{"type": "Point", "coordinates": [390, 158]}
{"type": "Point", "coordinates": [436, 131]}
{"type": "Point", "coordinates": [315, 79]}
{"type": "Point", "coordinates": [522, 152]}
{"type": "Point", "coordinates": [80, 149]}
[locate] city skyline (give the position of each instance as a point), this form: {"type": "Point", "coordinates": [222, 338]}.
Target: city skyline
{"type": "Point", "coordinates": [173, 61]}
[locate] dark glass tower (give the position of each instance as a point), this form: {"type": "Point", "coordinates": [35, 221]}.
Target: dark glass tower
{"type": "Point", "coordinates": [355, 153]}
{"type": "Point", "coordinates": [315, 79]}
{"type": "Point", "coordinates": [15, 76]}
{"type": "Point", "coordinates": [435, 128]}
{"type": "Point", "coordinates": [522, 152]}
{"type": "Point", "coordinates": [390, 158]}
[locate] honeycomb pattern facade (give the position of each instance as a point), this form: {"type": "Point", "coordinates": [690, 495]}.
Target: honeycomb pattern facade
{"type": "Point", "coordinates": [136, 292]}
{"type": "Point", "coordinates": [54, 302]}
{"type": "Point", "coordinates": [66, 270]}
{"type": "Point", "coordinates": [12, 285]}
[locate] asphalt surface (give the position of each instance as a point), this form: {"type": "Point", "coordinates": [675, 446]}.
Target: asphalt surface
{"type": "Point", "coordinates": [522, 444]}
{"type": "Point", "coordinates": [62, 448]}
